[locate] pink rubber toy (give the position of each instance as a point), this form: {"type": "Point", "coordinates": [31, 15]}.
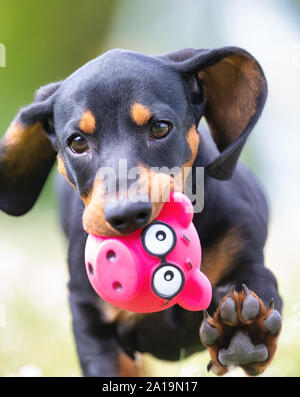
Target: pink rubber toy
{"type": "Point", "coordinates": [151, 269]}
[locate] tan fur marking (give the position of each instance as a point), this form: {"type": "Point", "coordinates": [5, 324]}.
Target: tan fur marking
{"type": "Point", "coordinates": [87, 199]}
{"type": "Point", "coordinates": [61, 166]}
{"type": "Point", "coordinates": [62, 170]}
{"type": "Point", "coordinates": [158, 186]}
{"type": "Point", "coordinates": [193, 140]}
{"type": "Point", "coordinates": [115, 314]}
{"type": "Point", "coordinates": [218, 258]}
{"type": "Point", "coordinates": [93, 216]}
{"type": "Point", "coordinates": [24, 148]}
{"type": "Point", "coordinates": [87, 122]}
{"type": "Point", "coordinates": [140, 114]}
{"type": "Point", "coordinates": [231, 89]}
{"type": "Point", "coordinates": [129, 367]}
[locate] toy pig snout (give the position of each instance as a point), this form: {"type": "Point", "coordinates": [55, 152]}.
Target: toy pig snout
{"type": "Point", "coordinates": [113, 271]}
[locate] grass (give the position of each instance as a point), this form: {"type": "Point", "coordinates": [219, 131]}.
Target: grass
{"type": "Point", "coordinates": [35, 328]}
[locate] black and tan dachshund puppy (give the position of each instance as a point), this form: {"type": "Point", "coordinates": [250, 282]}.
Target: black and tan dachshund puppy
{"type": "Point", "coordinates": [146, 110]}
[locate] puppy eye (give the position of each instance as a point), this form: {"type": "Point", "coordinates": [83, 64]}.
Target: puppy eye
{"type": "Point", "coordinates": [160, 129]}
{"type": "Point", "coordinates": [78, 144]}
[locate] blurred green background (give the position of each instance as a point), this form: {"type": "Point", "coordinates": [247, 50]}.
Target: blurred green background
{"type": "Point", "coordinates": [46, 41]}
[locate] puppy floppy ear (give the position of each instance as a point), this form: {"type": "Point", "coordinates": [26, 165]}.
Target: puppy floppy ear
{"type": "Point", "coordinates": [26, 153]}
{"type": "Point", "coordinates": [229, 88]}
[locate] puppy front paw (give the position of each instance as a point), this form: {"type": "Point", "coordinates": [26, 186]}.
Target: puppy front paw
{"type": "Point", "coordinates": [243, 332]}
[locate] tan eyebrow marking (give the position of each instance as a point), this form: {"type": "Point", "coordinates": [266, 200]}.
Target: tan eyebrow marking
{"type": "Point", "coordinates": [87, 122]}
{"type": "Point", "coordinates": [140, 113]}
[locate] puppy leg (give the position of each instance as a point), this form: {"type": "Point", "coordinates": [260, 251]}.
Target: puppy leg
{"type": "Point", "coordinates": [97, 350]}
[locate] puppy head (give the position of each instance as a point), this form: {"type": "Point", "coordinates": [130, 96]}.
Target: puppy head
{"type": "Point", "coordinates": [128, 110]}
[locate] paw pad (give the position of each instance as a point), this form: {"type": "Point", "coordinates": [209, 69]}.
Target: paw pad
{"type": "Point", "coordinates": [250, 306]}
{"type": "Point", "coordinates": [242, 352]}
{"type": "Point", "coordinates": [273, 322]}
{"type": "Point", "coordinates": [243, 332]}
{"type": "Point", "coordinates": [208, 333]}
{"type": "Point", "coordinates": [228, 311]}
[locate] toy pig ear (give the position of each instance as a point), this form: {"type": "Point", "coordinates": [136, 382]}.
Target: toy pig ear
{"type": "Point", "coordinates": [183, 208]}
{"type": "Point", "coordinates": [180, 207]}
{"type": "Point", "coordinates": [197, 293]}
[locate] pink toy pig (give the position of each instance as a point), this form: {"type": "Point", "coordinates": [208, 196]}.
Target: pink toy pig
{"type": "Point", "coordinates": [154, 268]}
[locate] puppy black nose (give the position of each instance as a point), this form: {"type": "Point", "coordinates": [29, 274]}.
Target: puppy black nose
{"type": "Point", "coordinates": [128, 216]}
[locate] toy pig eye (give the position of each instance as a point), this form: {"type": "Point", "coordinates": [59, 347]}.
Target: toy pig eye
{"type": "Point", "coordinates": [167, 281]}
{"type": "Point", "coordinates": [158, 239]}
